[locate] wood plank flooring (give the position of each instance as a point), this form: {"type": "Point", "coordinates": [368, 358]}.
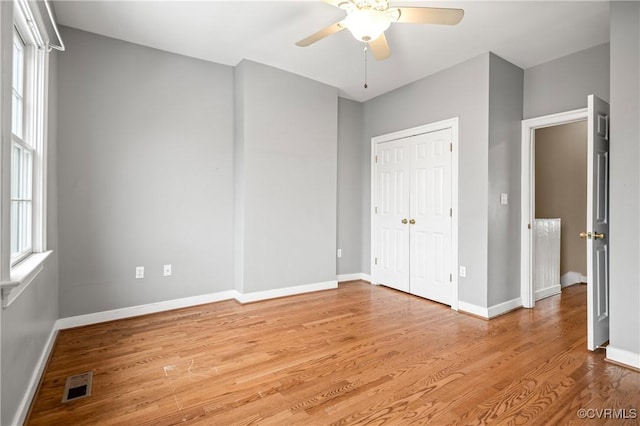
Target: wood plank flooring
{"type": "Point", "coordinates": [361, 354]}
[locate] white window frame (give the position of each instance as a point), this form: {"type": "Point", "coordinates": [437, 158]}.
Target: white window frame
{"type": "Point", "coordinates": [34, 125]}
{"type": "Point", "coordinates": [16, 274]}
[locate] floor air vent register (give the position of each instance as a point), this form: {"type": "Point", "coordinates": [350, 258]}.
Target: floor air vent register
{"type": "Point", "coordinates": [78, 386]}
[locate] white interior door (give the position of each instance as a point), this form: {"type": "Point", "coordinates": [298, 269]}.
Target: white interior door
{"type": "Point", "coordinates": [413, 180]}
{"type": "Point", "coordinates": [597, 223]}
{"type": "Point", "coordinates": [430, 216]}
{"type": "Point", "coordinates": [392, 187]}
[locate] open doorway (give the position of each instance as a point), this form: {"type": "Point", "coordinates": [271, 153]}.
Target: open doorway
{"type": "Point", "coordinates": [596, 233]}
{"type": "Point", "coordinates": [560, 212]}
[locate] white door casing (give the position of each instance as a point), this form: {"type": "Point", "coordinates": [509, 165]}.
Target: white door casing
{"type": "Point", "coordinates": [432, 239]}
{"type": "Point", "coordinates": [527, 181]}
{"type": "Point", "coordinates": [597, 223]}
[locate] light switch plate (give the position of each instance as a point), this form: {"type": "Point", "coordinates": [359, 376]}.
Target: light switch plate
{"type": "Point", "coordinates": [139, 272]}
{"type": "Point", "coordinates": [167, 270]}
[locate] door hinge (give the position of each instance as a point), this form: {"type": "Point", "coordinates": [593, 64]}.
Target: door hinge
{"type": "Point", "coordinates": [529, 226]}
{"type": "Point", "coordinates": [375, 260]}
{"type": "Point", "coordinates": [376, 209]}
{"type": "Point", "coordinates": [451, 147]}
{"type": "Point", "coordinates": [451, 212]}
{"type": "Point", "coordinates": [376, 158]}
{"type": "Point", "coordinates": [450, 278]}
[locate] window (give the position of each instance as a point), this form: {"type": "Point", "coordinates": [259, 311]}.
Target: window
{"type": "Point", "coordinates": [21, 162]}
{"type": "Point", "coordinates": [27, 137]}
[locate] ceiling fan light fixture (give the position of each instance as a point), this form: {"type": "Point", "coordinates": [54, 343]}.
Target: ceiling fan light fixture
{"type": "Point", "coordinates": [366, 25]}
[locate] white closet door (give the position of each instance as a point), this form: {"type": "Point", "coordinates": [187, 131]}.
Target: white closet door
{"type": "Point", "coordinates": [393, 209]}
{"type": "Point", "coordinates": [430, 235]}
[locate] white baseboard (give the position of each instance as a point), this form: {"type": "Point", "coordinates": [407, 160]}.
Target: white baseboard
{"type": "Point", "coordinates": [491, 311]}
{"type": "Point", "coordinates": [546, 292]}
{"type": "Point", "coordinates": [25, 403]}
{"type": "Point", "coordinates": [622, 356]}
{"type": "Point", "coordinates": [353, 277]}
{"type": "Point", "coordinates": [476, 310]}
{"type": "Point", "coordinates": [571, 278]}
{"type": "Point", "coordinates": [151, 308]}
{"type": "Point", "coordinates": [503, 308]}
{"type": "Point", "coordinates": [282, 292]}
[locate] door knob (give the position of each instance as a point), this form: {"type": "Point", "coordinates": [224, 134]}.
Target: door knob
{"type": "Point", "coordinates": [404, 221]}
{"type": "Point", "coordinates": [585, 235]}
{"type": "Point", "coordinates": [598, 236]}
{"type": "Point", "coordinates": [412, 221]}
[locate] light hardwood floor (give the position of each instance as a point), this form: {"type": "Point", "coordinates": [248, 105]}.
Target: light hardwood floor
{"type": "Point", "coordinates": [361, 354]}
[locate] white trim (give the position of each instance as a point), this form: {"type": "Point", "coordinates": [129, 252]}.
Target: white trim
{"type": "Point", "coordinates": [623, 356]}
{"type": "Point", "coordinates": [453, 124]}
{"type": "Point", "coordinates": [353, 277]}
{"type": "Point", "coordinates": [572, 278]}
{"type": "Point", "coordinates": [547, 292]}
{"type": "Point", "coordinates": [151, 308]}
{"type": "Point", "coordinates": [21, 276]}
{"type": "Point", "coordinates": [473, 309]}
{"type": "Point", "coordinates": [25, 403]}
{"type": "Point", "coordinates": [282, 292]}
{"type": "Point", "coordinates": [527, 179]}
{"type": "Point", "coordinates": [504, 307]}
{"type": "Point", "coordinates": [491, 311]}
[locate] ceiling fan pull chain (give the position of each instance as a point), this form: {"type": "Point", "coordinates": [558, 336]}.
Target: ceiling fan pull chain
{"type": "Point", "coordinates": [365, 65]}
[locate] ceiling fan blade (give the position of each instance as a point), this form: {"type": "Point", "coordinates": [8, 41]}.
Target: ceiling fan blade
{"type": "Point", "coordinates": [430, 15]}
{"type": "Point", "coordinates": [325, 32]}
{"type": "Point", "coordinates": [380, 48]}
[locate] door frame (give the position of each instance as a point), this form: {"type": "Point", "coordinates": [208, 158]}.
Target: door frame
{"type": "Point", "coordinates": [527, 182]}
{"type": "Point", "coordinates": [452, 124]}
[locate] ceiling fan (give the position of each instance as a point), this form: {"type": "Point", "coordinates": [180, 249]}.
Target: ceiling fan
{"type": "Point", "coordinates": [368, 19]}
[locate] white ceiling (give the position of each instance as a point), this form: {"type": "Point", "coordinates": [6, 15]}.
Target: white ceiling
{"type": "Point", "coordinates": [527, 33]}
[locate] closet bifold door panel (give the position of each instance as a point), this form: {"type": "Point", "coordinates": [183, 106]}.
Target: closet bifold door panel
{"type": "Point", "coordinates": [414, 215]}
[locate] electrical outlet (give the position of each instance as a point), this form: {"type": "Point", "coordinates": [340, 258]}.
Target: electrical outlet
{"type": "Point", "coordinates": [339, 252]}
{"type": "Point", "coordinates": [463, 271]}
{"type": "Point", "coordinates": [139, 272]}
{"type": "Point", "coordinates": [167, 270]}
{"type": "Point", "coordinates": [504, 199]}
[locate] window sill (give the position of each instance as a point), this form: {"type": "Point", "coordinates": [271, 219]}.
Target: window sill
{"type": "Point", "coordinates": [21, 276]}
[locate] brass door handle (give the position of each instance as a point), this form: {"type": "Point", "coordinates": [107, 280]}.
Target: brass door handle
{"type": "Point", "coordinates": [404, 221]}
{"type": "Point", "coordinates": [585, 235]}
{"type": "Point", "coordinates": [412, 221]}
{"type": "Point", "coordinates": [598, 236]}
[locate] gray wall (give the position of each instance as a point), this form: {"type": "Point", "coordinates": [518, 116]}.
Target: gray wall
{"type": "Point", "coordinates": [505, 116]}
{"type": "Point", "coordinates": [625, 177]}
{"type": "Point", "coordinates": [460, 91]}
{"type": "Point", "coordinates": [145, 159]}
{"type": "Point", "coordinates": [288, 126]}
{"type": "Point", "coordinates": [351, 150]}
{"type": "Point", "coordinates": [564, 84]}
{"type": "Point", "coordinates": [28, 322]}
